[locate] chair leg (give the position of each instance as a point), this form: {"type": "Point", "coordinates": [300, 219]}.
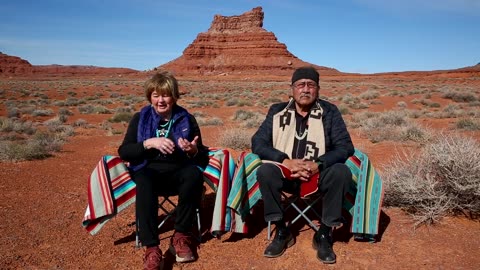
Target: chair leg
{"type": "Point", "coordinates": [199, 226]}
{"type": "Point", "coordinates": [269, 230]}
{"type": "Point", "coordinates": [302, 214]}
{"type": "Point", "coordinates": [309, 202]}
{"type": "Point", "coordinates": [292, 203]}
{"type": "Point", "coordinates": [164, 220]}
{"type": "Point", "coordinates": [137, 240]}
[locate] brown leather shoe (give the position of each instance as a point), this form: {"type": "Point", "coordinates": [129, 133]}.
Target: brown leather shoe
{"type": "Point", "coordinates": [152, 259]}
{"type": "Point", "coordinates": [181, 246]}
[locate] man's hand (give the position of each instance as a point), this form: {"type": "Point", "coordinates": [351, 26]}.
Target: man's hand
{"type": "Point", "coordinates": [301, 169]}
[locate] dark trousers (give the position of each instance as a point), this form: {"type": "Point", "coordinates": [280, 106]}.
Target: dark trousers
{"type": "Point", "coordinates": [334, 184]}
{"type": "Point", "coordinates": [187, 182]}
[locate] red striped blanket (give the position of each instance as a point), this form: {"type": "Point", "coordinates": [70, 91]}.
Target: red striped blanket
{"type": "Point", "coordinates": [111, 189]}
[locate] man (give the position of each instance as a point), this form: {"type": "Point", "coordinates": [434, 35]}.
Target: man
{"type": "Point", "coordinates": [308, 136]}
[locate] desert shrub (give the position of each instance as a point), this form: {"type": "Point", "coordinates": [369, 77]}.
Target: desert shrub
{"type": "Point", "coordinates": [124, 109]}
{"type": "Point", "coordinates": [349, 99]}
{"type": "Point", "coordinates": [343, 109]}
{"type": "Point", "coordinates": [249, 119]}
{"type": "Point", "coordinates": [359, 105]}
{"type": "Point", "coordinates": [70, 101]}
{"type": "Point", "coordinates": [10, 151]}
{"type": "Point", "coordinates": [53, 122]}
{"type": "Point", "coordinates": [442, 179]}
{"type": "Point", "coordinates": [105, 125]}
{"type": "Point", "coordinates": [231, 102]}
{"type": "Point", "coordinates": [434, 105]}
{"type": "Point", "coordinates": [254, 122]}
{"type": "Point", "coordinates": [272, 100]}
{"type": "Point", "coordinates": [415, 113]}
{"type": "Point", "coordinates": [50, 141]}
{"type": "Point", "coordinates": [414, 132]}
{"type": "Point", "coordinates": [59, 103]}
{"type": "Point", "coordinates": [62, 118]}
{"type": "Point", "coordinates": [402, 104]}
{"type": "Point", "coordinates": [214, 121]}
{"type": "Point", "coordinates": [80, 123]}
{"type": "Point", "coordinates": [46, 112]}
{"type": "Point", "coordinates": [13, 112]}
{"type": "Point", "coordinates": [452, 111]}
{"type": "Point", "coordinates": [468, 124]}
{"type": "Point", "coordinates": [242, 103]}
{"type": "Point", "coordinates": [243, 115]}
{"type": "Point", "coordinates": [103, 101]}
{"type": "Point", "coordinates": [86, 109]}
{"type": "Point", "coordinates": [370, 94]}
{"type": "Point", "coordinates": [460, 96]}
{"type": "Point", "coordinates": [121, 117]}
{"type": "Point", "coordinates": [64, 111]}
{"type": "Point", "coordinates": [202, 103]}
{"type": "Point", "coordinates": [101, 110]}
{"type": "Point", "coordinates": [391, 125]}
{"type": "Point", "coordinates": [39, 146]}
{"type": "Point", "coordinates": [62, 130]}
{"type": "Point", "coordinates": [199, 114]}
{"type": "Point", "coordinates": [16, 125]}
{"type": "Point", "coordinates": [90, 109]}
{"type": "Point", "coordinates": [236, 138]}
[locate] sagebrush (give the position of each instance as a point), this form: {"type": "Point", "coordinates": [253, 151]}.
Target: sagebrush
{"type": "Point", "coordinates": [443, 178]}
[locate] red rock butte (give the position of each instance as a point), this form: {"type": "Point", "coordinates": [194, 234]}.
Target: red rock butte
{"type": "Point", "coordinates": [238, 46]}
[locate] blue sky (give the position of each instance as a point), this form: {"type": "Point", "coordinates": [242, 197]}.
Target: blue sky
{"type": "Point", "coordinates": [364, 36]}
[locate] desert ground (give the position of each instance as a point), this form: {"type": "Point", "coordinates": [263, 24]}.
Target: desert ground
{"type": "Point", "coordinates": [44, 200]}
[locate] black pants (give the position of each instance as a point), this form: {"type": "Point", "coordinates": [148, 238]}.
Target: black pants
{"type": "Point", "coordinates": [187, 182]}
{"type": "Point", "coordinates": [334, 184]}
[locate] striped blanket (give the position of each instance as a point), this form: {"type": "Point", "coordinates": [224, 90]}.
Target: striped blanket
{"type": "Point", "coordinates": [363, 201]}
{"type": "Point", "coordinates": [111, 190]}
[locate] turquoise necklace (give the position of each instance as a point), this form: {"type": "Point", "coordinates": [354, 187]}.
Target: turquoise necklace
{"type": "Point", "coordinates": [164, 130]}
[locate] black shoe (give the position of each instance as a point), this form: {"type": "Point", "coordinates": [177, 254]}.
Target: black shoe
{"type": "Point", "coordinates": [322, 243]}
{"type": "Point", "coordinates": [283, 239]}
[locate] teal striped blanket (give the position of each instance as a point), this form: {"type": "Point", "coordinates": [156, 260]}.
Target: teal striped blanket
{"type": "Point", "coordinates": [363, 201]}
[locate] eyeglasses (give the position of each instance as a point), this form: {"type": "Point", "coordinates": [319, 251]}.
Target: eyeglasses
{"type": "Point", "coordinates": [301, 85]}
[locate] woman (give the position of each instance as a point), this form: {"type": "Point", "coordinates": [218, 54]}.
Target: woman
{"type": "Point", "coordinates": [164, 147]}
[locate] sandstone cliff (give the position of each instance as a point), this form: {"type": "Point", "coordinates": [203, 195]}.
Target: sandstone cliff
{"type": "Point", "coordinates": [10, 65]}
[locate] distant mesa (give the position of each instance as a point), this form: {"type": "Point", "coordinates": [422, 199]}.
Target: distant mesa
{"type": "Point", "coordinates": [16, 66]}
{"type": "Point", "coordinates": [237, 45]}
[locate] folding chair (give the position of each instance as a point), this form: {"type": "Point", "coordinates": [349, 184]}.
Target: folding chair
{"type": "Point", "coordinates": [165, 199]}
{"type": "Point", "coordinates": [296, 202]}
